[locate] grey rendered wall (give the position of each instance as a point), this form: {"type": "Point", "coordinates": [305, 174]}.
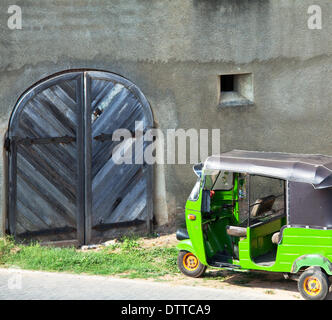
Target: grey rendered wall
{"type": "Point", "coordinates": [174, 51]}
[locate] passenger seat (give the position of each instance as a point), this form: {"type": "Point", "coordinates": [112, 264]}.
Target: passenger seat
{"type": "Point", "coordinates": [236, 231]}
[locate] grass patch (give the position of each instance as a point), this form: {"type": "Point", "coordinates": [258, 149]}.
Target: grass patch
{"type": "Point", "coordinates": [126, 258]}
{"type": "Point", "coordinates": [269, 292]}
{"type": "Point", "coordinates": [7, 247]}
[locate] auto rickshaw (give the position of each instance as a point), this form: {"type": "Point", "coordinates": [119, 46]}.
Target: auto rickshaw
{"type": "Point", "coordinates": [261, 211]}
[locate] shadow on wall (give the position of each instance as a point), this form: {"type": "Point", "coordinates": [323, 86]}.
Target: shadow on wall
{"type": "Point", "coordinates": [234, 28]}
{"type": "Point", "coordinates": [213, 6]}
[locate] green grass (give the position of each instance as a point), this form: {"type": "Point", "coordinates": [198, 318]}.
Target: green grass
{"type": "Point", "coordinates": [269, 291]}
{"type": "Point", "coordinates": [126, 258]}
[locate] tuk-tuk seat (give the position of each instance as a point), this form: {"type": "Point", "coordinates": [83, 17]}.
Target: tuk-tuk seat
{"type": "Point", "coordinates": [276, 237]}
{"type": "Point", "coordinates": [262, 205]}
{"type": "Point", "coordinates": [236, 231]}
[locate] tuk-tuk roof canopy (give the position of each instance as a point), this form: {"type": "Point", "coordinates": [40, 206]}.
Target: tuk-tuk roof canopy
{"type": "Point", "coordinates": [307, 168]}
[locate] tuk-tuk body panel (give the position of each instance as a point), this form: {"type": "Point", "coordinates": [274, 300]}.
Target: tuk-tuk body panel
{"type": "Point", "coordinates": [194, 228]}
{"type": "Point", "coordinates": [246, 261]}
{"type": "Point", "coordinates": [195, 232]}
{"type": "Point", "coordinates": [260, 237]}
{"type": "Point", "coordinates": [186, 245]}
{"type": "Point", "coordinates": [299, 247]}
{"type": "Point", "coordinates": [312, 260]}
{"type": "Point", "coordinates": [194, 205]}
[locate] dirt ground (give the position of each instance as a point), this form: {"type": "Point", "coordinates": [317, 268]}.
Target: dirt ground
{"type": "Point", "coordinates": [162, 240]}
{"type": "Point", "coordinates": [272, 284]}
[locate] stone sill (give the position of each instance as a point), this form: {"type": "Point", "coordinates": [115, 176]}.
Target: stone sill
{"type": "Point", "coordinates": [235, 104]}
{"type": "Point", "coordinates": [233, 99]}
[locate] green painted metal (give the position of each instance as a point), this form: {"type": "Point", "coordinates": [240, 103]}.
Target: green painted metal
{"type": "Point", "coordinates": [298, 242]}
{"type": "Point", "coordinates": [298, 248]}
{"type": "Point", "coordinates": [295, 243]}
{"type": "Point", "coordinates": [195, 232]}
{"type": "Point", "coordinates": [186, 245]}
{"type": "Point", "coordinates": [312, 260]}
{"type": "Point", "coordinates": [216, 238]}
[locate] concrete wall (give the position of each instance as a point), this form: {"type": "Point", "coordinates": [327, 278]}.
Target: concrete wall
{"type": "Point", "coordinates": [174, 51]}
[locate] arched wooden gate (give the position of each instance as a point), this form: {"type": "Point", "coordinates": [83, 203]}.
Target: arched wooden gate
{"type": "Point", "coordinates": [63, 183]}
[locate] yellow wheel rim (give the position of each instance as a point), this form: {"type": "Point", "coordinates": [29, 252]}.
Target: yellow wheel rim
{"type": "Point", "coordinates": [190, 262]}
{"type": "Point", "coordinates": [312, 286]}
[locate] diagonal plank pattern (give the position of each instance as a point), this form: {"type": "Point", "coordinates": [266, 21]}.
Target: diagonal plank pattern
{"type": "Point", "coordinates": [44, 176]}
{"type": "Point", "coordinates": [63, 183]}
{"type": "Point", "coordinates": [119, 192]}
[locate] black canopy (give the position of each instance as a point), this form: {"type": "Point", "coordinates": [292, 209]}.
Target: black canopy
{"type": "Point", "coordinates": [315, 169]}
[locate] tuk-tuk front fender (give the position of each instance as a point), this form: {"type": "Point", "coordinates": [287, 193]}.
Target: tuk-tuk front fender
{"type": "Point", "coordinates": [312, 260]}
{"type": "Point", "coordinates": [186, 245]}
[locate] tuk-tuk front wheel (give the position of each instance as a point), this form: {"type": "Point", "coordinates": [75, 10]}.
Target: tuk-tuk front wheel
{"type": "Point", "coordinates": [189, 264]}
{"type": "Point", "coordinates": [313, 284]}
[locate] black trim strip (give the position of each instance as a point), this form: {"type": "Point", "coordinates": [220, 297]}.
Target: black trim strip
{"type": "Point", "coordinates": [29, 141]}
{"type": "Point", "coordinates": [109, 136]}
{"type": "Point", "coordinates": [107, 226]}
{"type": "Point", "coordinates": [45, 232]}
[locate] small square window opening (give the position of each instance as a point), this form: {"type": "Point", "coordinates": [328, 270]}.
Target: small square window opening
{"type": "Point", "coordinates": [236, 90]}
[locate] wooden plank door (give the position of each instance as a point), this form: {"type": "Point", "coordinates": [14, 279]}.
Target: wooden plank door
{"type": "Point", "coordinates": [121, 194]}
{"type": "Point", "coordinates": [46, 162]}
{"type": "Point", "coordinates": [64, 184]}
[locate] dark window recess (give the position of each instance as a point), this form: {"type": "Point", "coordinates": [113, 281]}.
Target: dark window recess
{"type": "Point", "coordinates": [236, 90]}
{"type": "Point", "coordinates": [227, 83]}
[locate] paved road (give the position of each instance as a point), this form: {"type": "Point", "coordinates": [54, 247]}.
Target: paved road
{"type": "Point", "coordinates": [28, 285]}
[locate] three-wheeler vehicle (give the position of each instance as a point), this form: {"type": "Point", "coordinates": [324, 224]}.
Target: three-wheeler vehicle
{"type": "Point", "coordinates": [264, 211]}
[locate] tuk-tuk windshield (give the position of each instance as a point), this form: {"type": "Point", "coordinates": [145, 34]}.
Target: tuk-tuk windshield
{"type": "Point", "coordinates": [195, 191]}
{"type": "Point", "coordinates": [218, 180]}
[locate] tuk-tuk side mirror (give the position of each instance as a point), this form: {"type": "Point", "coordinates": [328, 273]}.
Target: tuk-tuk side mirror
{"type": "Point", "coordinates": [198, 169]}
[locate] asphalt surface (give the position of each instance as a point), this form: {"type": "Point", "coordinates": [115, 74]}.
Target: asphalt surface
{"type": "Point", "coordinates": [18, 284]}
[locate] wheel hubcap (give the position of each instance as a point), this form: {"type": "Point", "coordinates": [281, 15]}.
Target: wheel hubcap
{"type": "Point", "coordinates": [190, 262]}
{"type": "Point", "coordinates": [312, 286]}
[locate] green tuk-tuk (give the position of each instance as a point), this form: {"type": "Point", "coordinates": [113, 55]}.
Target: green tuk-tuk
{"type": "Point", "coordinates": [261, 211]}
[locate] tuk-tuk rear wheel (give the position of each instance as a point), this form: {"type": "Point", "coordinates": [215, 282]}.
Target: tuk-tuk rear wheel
{"type": "Point", "coordinates": [313, 284]}
{"type": "Point", "coordinates": [189, 264]}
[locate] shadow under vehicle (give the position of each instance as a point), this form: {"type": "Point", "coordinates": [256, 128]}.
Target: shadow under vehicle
{"type": "Point", "coordinates": [261, 211]}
